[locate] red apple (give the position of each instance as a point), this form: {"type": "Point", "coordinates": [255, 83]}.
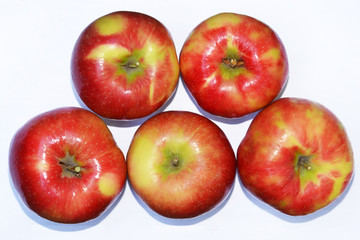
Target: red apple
{"type": "Point", "coordinates": [180, 164]}
{"type": "Point", "coordinates": [66, 166]}
{"type": "Point", "coordinates": [124, 65]}
{"type": "Point", "coordinates": [296, 156]}
{"type": "Point", "coordinates": [233, 65]}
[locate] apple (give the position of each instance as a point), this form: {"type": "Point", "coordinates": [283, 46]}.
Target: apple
{"type": "Point", "coordinates": [295, 156]}
{"type": "Point", "coordinates": [233, 65]}
{"type": "Point", "coordinates": [66, 166]}
{"type": "Point", "coordinates": [124, 65]}
{"type": "Point", "coordinates": [180, 164]}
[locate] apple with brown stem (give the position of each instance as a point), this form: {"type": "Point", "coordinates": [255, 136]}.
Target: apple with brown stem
{"type": "Point", "coordinates": [233, 65]}
{"type": "Point", "coordinates": [296, 156]}
{"type": "Point", "coordinates": [66, 166]}
{"type": "Point", "coordinates": [124, 65]}
{"type": "Point", "coordinates": [181, 164]}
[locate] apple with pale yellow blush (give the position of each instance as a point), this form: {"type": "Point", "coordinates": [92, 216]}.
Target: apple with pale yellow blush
{"type": "Point", "coordinates": [233, 65]}
{"type": "Point", "coordinates": [296, 156]}
{"type": "Point", "coordinates": [66, 166]}
{"type": "Point", "coordinates": [124, 65]}
{"type": "Point", "coordinates": [181, 164]}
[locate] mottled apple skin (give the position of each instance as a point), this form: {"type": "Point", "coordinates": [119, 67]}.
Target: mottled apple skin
{"type": "Point", "coordinates": [40, 180]}
{"type": "Point", "coordinates": [226, 91]}
{"type": "Point", "coordinates": [296, 156]}
{"type": "Point", "coordinates": [206, 164]}
{"type": "Point", "coordinates": [124, 65]}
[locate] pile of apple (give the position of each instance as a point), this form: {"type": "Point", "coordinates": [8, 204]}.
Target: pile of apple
{"type": "Point", "coordinates": [295, 156]}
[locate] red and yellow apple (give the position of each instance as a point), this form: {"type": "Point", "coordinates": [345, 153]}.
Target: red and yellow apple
{"type": "Point", "coordinates": [66, 166]}
{"type": "Point", "coordinates": [233, 65]}
{"type": "Point", "coordinates": [124, 65]}
{"type": "Point", "coordinates": [181, 164]}
{"type": "Point", "coordinates": [296, 156]}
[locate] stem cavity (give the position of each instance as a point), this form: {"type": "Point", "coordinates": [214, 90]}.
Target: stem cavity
{"type": "Point", "coordinates": [233, 62]}
{"type": "Point", "coordinates": [69, 166]}
{"type": "Point", "coordinates": [304, 162]}
{"type": "Point", "coordinates": [131, 64]}
{"type": "Point", "coordinates": [74, 170]}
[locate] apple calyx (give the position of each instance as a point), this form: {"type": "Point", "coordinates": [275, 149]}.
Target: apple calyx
{"type": "Point", "coordinates": [303, 162]}
{"type": "Point", "coordinates": [69, 166]}
{"type": "Point", "coordinates": [233, 62]}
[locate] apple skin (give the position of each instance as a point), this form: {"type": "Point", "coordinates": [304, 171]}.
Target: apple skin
{"type": "Point", "coordinates": [296, 156]}
{"type": "Point", "coordinates": [181, 164]}
{"type": "Point", "coordinates": [66, 166]}
{"type": "Point", "coordinates": [124, 65]}
{"type": "Point", "coordinates": [233, 65]}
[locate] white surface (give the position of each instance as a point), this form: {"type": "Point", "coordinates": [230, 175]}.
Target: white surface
{"type": "Point", "coordinates": [322, 42]}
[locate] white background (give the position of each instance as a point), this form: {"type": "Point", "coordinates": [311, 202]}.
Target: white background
{"type": "Point", "coordinates": [322, 39]}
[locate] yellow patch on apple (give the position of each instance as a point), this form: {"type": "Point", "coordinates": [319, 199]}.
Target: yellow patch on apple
{"type": "Point", "coordinates": [109, 52]}
{"type": "Point", "coordinates": [151, 92]}
{"type": "Point", "coordinates": [322, 168]}
{"type": "Point", "coordinates": [153, 53]}
{"type": "Point", "coordinates": [343, 167]}
{"type": "Point", "coordinates": [274, 179]}
{"type": "Point", "coordinates": [108, 25]}
{"type": "Point", "coordinates": [144, 161]}
{"type": "Point", "coordinates": [254, 36]}
{"type": "Point", "coordinates": [223, 19]}
{"type": "Point", "coordinates": [108, 184]}
{"type": "Point", "coordinates": [272, 53]}
{"type": "Point", "coordinates": [317, 128]}
{"type": "Point", "coordinates": [197, 44]}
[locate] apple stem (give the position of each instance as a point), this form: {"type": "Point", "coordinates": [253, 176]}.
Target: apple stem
{"type": "Point", "coordinates": [76, 170]}
{"type": "Point", "coordinates": [131, 65]}
{"type": "Point", "coordinates": [233, 62]}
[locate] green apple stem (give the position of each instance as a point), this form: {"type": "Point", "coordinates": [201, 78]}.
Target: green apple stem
{"type": "Point", "coordinates": [69, 166]}
{"type": "Point", "coordinates": [75, 170]}
{"type": "Point", "coordinates": [131, 64]}
{"type": "Point", "coordinates": [233, 62]}
{"type": "Point", "coordinates": [304, 162]}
